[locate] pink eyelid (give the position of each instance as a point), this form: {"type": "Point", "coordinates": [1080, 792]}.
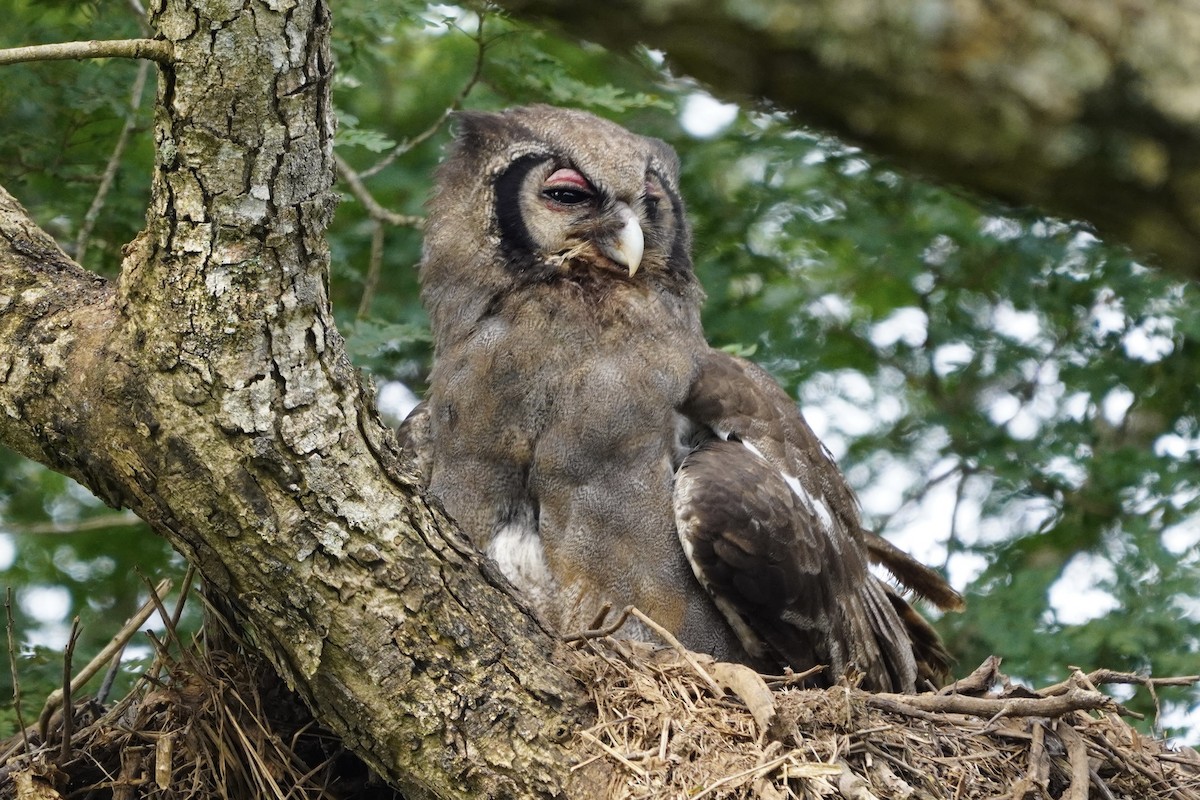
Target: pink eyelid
{"type": "Point", "coordinates": [568, 178]}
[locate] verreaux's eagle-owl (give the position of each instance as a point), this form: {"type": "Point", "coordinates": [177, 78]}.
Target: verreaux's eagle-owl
{"type": "Point", "coordinates": [586, 437]}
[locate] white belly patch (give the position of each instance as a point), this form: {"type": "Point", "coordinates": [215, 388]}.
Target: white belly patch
{"type": "Point", "coordinates": [517, 550]}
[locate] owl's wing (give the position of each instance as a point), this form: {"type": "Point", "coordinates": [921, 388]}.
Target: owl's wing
{"type": "Point", "coordinates": [772, 532]}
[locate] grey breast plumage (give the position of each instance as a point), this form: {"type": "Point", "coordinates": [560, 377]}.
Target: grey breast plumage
{"type": "Point", "coordinates": [585, 436]}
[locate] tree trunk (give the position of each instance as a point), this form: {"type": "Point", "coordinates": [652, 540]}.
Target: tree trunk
{"type": "Point", "coordinates": [1088, 110]}
{"type": "Point", "coordinates": [208, 391]}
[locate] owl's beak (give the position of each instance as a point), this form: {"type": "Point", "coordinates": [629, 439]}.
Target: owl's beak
{"type": "Point", "coordinates": [628, 244]}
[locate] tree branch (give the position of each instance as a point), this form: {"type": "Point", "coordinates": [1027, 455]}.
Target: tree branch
{"type": "Point", "coordinates": [1088, 115]}
{"type": "Point", "coordinates": [114, 164]}
{"type": "Point", "coordinates": [59, 697]}
{"type": "Point", "coordinates": [408, 144]}
{"type": "Point", "coordinates": [120, 520]}
{"type": "Point", "coordinates": [152, 49]}
{"type": "Point", "coordinates": [374, 209]}
{"type": "Point", "coordinates": [994, 707]}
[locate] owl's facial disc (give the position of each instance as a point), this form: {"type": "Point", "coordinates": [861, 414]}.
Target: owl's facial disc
{"type": "Point", "coordinates": [620, 240]}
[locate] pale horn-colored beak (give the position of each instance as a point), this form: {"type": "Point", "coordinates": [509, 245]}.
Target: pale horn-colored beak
{"type": "Point", "coordinates": [627, 246]}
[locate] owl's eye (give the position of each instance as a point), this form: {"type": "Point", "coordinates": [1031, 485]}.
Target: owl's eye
{"type": "Point", "coordinates": [569, 197]}
{"type": "Point", "coordinates": [652, 197]}
{"type": "Point", "coordinates": [568, 187]}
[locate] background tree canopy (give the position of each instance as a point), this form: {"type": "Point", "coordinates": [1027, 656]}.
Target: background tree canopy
{"type": "Point", "coordinates": [1014, 400]}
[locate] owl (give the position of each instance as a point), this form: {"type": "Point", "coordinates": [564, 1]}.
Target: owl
{"type": "Point", "coordinates": [585, 436]}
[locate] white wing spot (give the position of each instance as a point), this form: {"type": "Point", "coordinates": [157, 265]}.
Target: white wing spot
{"type": "Point", "coordinates": [814, 505]}
{"type": "Point", "coordinates": [754, 450]}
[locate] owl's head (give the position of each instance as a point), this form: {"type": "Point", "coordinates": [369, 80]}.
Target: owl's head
{"type": "Point", "coordinates": [540, 194]}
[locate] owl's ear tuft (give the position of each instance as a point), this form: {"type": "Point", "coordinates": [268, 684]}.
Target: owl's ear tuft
{"type": "Point", "coordinates": [667, 158]}
{"type": "Point", "coordinates": [474, 123]}
{"type": "Point", "coordinates": [480, 128]}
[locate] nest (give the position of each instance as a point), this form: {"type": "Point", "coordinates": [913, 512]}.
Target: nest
{"type": "Point", "coordinates": [210, 719]}
{"type": "Point", "coordinates": [216, 722]}
{"type": "Point", "coordinates": [679, 725]}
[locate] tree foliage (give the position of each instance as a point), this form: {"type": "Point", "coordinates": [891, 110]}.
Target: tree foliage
{"type": "Point", "coordinates": [1013, 398]}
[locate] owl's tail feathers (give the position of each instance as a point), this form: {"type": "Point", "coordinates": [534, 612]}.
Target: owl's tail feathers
{"type": "Point", "coordinates": [908, 653]}
{"type": "Point", "coordinates": [932, 658]}
{"type": "Point", "coordinates": [920, 641]}
{"type": "Point", "coordinates": [914, 576]}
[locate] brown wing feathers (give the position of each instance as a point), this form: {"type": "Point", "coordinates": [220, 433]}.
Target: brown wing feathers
{"type": "Point", "coordinates": [771, 528]}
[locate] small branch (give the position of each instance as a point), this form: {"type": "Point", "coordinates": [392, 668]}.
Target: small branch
{"type": "Point", "coordinates": [455, 104]}
{"type": "Point", "coordinates": [1077, 757]}
{"type": "Point", "coordinates": [168, 620]}
{"type": "Point", "coordinates": [1104, 677]}
{"type": "Point", "coordinates": [612, 752]}
{"type": "Point", "coordinates": [12, 663]}
{"type": "Point", "coordinates": [110, 677]}
{"type": "Point", "coordinates": [664, 634]}
{"type": "Point", "coordinates": [152, 49]}
{"type": "Point", "coordinates": [978, 682]}
{"type": "Point", "coordinates": [115, 646]}
{"type": "Point", "coordinates": [68, 720]}
{"type": "Point", "coordinates": [364, 196]}
{"type": "Point", "coordinates": [374, 267]}
{"type": "Point", "coordinates": [1037, 775]}
{"type": "Point", "coordinates": [799, 769]}
{"type": "Point", "coordinates": [90, 524]}
{"type": "Point", "coordinates": [185, 587]}
{"type": "Point", "coordinates": [596, 631]}
{"type": "Point", "coordinates": [894, 706]}
{"type": "Point", "coordinates": [675, 644]}
{"type": "Point", "coordinates": [994, 708]}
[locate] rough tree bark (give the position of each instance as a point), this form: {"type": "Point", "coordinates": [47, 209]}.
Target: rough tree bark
{"type": "Point", "coordinates": [208, 391]}
{"type": "Point", "coordinates": [1088, 110]}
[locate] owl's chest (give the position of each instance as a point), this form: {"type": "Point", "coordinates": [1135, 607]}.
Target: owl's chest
{"type": "Point", "coordinates": [553, 365]}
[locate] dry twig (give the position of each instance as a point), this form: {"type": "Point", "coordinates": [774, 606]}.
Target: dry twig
{"type": "Point", "coordinates": [1077, 755]}
{"type": "Point", "coordinates": [114, 163]}
{"type": "Point", "coordinates": [409, 144]}
{"type": "Point", "coordinates": [115, 645]}
{"type": "Point", "coordinates": [1108, 677]}
{"type": "Point", "coordinates": [153, 49]}
{"type": "Point", "coordinates": [993, 708]}
{"type": "Point", "coordinates": [12, 665]}
{"type": "Point", "coordinates": [68, 721]}
{"type": "Point", "coordinates": [373, 207]}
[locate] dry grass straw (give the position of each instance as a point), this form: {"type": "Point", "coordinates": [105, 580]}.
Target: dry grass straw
{"type": "Point", "coordinates": [214, 722]}
{"type": "Point", "coordinates": [669, 735]}
{"type": "Point", "coordinates": [207, 721]}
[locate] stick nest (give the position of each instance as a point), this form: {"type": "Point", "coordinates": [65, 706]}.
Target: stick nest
{"type": "Point", "coordinates": [671, 724]}
{"type": "Point", "coordinates": [676, 725]}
